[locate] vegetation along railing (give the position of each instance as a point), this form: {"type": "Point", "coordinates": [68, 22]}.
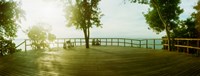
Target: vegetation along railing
{"type": "Point", "coordinates": [188, 45]}
{"type": "Point", "coordinates": [121, 42]}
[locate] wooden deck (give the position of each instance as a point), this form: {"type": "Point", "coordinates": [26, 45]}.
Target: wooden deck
{"type": "Point", "coordinates": [99, 61]}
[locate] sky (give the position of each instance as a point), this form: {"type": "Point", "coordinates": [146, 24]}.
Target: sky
{"type": "Point", "coordinates": [120, 20]}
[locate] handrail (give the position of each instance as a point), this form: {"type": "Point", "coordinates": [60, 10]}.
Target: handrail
{"type": "Point", "coordinates": [129, 42]}
{"type": "Point", "coordinates": [20, 44]}
{"type": "Point", "coordinates": [183, 39]}
{"type": "Point", "coordinates": [124, 42]}
{"type": "Point", "coordinates": [117, 42]}
{"type": "Point", "coordinates": [185, 44]}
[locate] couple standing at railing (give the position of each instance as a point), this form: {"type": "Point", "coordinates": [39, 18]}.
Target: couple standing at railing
{"type": "Point", "coordinates": [96, 42]}
{"type": "Point", "coordinates": [68, 44]}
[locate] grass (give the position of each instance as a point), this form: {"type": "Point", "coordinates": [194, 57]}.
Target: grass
{"type": "Point", "coordinates": [101, 61]}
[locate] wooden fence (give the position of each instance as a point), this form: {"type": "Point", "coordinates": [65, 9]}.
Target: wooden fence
{"type": "Point", "coordinates": [121, 42]}
{"type": "Point", "coordinates": [188, 45]}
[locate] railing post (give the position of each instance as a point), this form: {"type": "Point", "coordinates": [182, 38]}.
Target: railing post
{"type": "Point", "coordinates": [64, 40]}
{"type": "Point", "coordinates": [140, 45]}
{"type": "Point", "coordinates": [131, 43]}
{"type": "Point", "coordinates": [154, 42]}
{"type": "Point", "coordinates": [118, 41]}
{"type": "Point", "coordinates": [80, 42]}
{"type": "Point", "coordinates": [187, 47]}
{"type": "Point", "coordinates": [106, 41]}
{"type": "Point", "coordinates": [100, 41]}
{"type": "Point", "coordinates": [74, 41]}
{"type": "Point", "coordinates": [164, 42]}
{"type": "Point", "coordinates": [111, 41]}
{"type": "Point", "coordinates": [146, 43]}
{"type": "Point", "coordinates": [198, 49]}
{"type": "Point", "coordinates": [57, 43]}
{"type": "Point", "coordinates": [25, 45]}
{"type": "Point", "coordinates": [177, 44]}
{"type": "Point", "coordinates": [124, 42]}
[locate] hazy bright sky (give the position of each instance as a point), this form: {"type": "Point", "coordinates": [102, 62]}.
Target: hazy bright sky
{"type": "Point", "coordinates": [120, 20]}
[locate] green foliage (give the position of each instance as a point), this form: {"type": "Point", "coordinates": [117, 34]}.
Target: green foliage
{"type": "Point", "coordinates": [186, 29]}
{"type": "Point", "coordinates": [7, 47]}
{"type": "Point", "coordinates": [51, 37]}
{"type": "Point", "coordinates": [189, 28]}
{"type": "Point", "coordinates": [83, 14]}
{"type": "Point", "coordinates": [170, 11]}
{"type": "Point", "coordinates": [152, 18]}
{"type": "Point", "coordinates": [163, 15]}
{"type": "Point", "coordinates": [39, 35]}
{"type": "Point", "coordinates": [10, 13]}
{"type": "Point", "coordinates": [140, 1]}
{"type": "Point", "coordinates": [197, 17]}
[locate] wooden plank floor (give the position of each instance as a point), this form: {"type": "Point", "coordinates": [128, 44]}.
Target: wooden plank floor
{"type": "Point", "coordinates": [99, 61]}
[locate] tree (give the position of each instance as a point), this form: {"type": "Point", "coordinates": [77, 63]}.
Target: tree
{"type": "Point", "coordinates": [10, 13]}
{"type": "Point", "coordinates": [83, 14]}
{"type": "Point", "coordinates": [38, 35]}
{"type": "Point", "coordinates": [197, 17]}
{"type": "Point", "coordinates": [186, 29]}
{"type": "Point", "coordinates": [169, 12]}
{"type": "Point", "coordinates": [163, 15]}
{"type": "Point", "coordinates": [51, 37]}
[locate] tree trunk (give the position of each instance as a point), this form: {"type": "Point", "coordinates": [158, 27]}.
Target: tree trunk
{"type": "Point", "coordinates": [87, 42]}
{"type": "Point", "coordinates": [165, 25]}
{"type": "Point", "coordinates": [168, 38]}
{"type": "Point", "coordinates": [86, 38]}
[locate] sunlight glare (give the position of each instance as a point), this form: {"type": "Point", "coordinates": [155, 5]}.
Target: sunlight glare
{"type": "Point", "coordinates": [47, 12]}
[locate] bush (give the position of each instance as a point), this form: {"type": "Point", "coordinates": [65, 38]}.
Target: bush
{"type": "Point", "coordinates": [7, 47]}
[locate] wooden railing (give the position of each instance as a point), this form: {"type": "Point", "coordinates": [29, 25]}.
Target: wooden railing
{"type": "Point", "coordinates": [152, 43]}
{"type": "Point", "coordinates": [123, 42]}
{"type": "Point", "coordinates": [188, 45]}
{"type": "Point", "coordinates": [20, 44]}
{"type": "Point", "coordinates": [120, 42]}
{"type": "Point", "coordinates": [103, 41]}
